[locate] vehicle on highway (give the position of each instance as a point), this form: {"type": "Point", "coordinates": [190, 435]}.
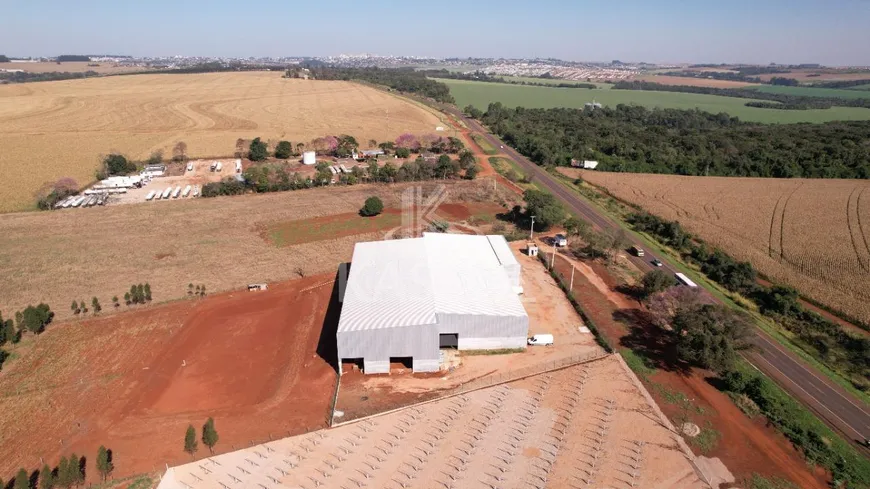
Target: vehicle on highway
{"type": "Point", "coordinates": [541, 339]}
{"type": "Point", "coordinates": [657, 263]}
{"type": "Point", "coordinates": [637, 251]}
{"type": "Point", "coordinates": [560, 240]}
{"type": "Point", "coordinates": [683, 279]}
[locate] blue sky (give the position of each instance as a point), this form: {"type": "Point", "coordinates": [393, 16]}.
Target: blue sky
{"type": "Point", "coordinates": [832, 32]}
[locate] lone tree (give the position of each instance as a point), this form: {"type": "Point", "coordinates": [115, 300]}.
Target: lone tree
{"type": "Point", "coordinates": [35, 319]}
{"type": "Point", "coordinates": [75, 307]}
{"type": "Point", "coordinates": [258, 150]}
{"type": "Point", "coordinates": [147, 291]}
{"type": "Point", "coordinates": [104, 462]}
{"type": "Point", "coordinates": [127, 298]}
{"type": "Point", "coordinates": [179, 152]}
{"type": "Point", "coordinates": [284, 150]}
{"type": "Point", "coordinates": [546, 209]}
{"type": "Point", "coordinates": [95, 304]}
{"type": "Point", "coordinates": [116, 164]}
{"type": "Point", "coordinates": [190, 445]}
{"type": "Point", "coordinates": [711, 336]}
{"type": "Point", "coordinates": [209, 435]}
{"type": "Point", "coordinates": [75, 474]}
{"type": "Point", "coordinates": [656, 281]}
{"type": "Point", "coordinates": [372, 207]}
{"type": "Point", "coordinates": [115, 302]}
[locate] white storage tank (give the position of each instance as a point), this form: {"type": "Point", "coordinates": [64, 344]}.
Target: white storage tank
{"type": "Point", "coordinates": [309, 158]}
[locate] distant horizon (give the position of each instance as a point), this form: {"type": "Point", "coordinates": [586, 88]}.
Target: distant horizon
{"type": "Point", "coordinates": [755, 32]}
{"type": "Point", "coordinates": [14, 58]}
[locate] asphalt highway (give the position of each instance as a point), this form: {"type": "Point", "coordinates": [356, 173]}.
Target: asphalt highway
{"type": "Point", "coordinates": [838, 408]}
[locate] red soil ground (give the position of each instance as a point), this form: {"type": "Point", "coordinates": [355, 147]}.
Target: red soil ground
{"type": "Point", "coordinates": [464, 212]}
{"type": "Point", "coordinates": [134, 381]}
{"type": "Point", "coordinates": [746, 445]}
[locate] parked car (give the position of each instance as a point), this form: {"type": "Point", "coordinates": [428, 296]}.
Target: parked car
{"type": "Point", "coordinates": [560, 240]}
{"type": "Point", "coordinates": [657, 263]}
{"type": "Point", "coordinates": [541, 339]}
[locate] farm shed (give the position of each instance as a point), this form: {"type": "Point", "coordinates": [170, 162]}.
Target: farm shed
{"type": "Point", "coordinates": [405, 299]}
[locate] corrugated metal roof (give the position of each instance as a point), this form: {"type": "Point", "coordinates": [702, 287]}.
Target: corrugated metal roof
{"type": "Point", "coordinates": [388, 287]}
{"type": "Point", "coordinates": [409, 282]}
{"type": "Point", "coordinates": [502, 250]}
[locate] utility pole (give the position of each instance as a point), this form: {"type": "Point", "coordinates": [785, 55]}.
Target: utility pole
{"type": "Point", "coordinates": [532, 230]}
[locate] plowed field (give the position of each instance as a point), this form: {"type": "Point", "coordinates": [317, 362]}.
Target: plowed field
{"type": "Point", "coordinates": [59, 129]}
{"type": "Point", "coordinates": [254, 361]}
{"type": "Point", "coordinates": [811, 234]}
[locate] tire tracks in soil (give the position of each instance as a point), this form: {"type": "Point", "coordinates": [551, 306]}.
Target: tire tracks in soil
{"type": "Point", "coordinates": [851, 226]}
{"type": "Point", "coordinates": [782, 221]}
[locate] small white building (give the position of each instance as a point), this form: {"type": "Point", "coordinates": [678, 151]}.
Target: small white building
{"type": "Point", "coordinates": [589, 165]}
{"type": "Point", "coordinates": [309, 158]}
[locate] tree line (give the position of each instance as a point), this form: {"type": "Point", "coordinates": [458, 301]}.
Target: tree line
{"type": "Point", "coordinates": [485, 77]}
{"type": "Point", "coordinates": [263, 178]}
{"type": "Point", "coordinates": [406, 80]}
{"type": "Point", "coordinates": [841, 83]}
{"type": "Point", "coordinates": [782, 101]}
{"type": "Point", "coordinates": [26, 77]}
{"type": "Point", "coordinates": [629, 138]}
{"type": "Point", "coordinates": [70, 472]}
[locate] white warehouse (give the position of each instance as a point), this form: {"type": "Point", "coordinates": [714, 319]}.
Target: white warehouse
{"type": "Point", "coordinates": [406, 299]}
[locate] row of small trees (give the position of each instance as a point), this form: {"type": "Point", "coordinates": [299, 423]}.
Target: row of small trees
{"type": "Point", "coordinates": [199, 291]}
{"type": "Point", "coordinates": [342, 146]}
{"type": "Point", "coordinates": [209, 438]}
{"type": "Point", "coordinates": [70, 472]}
{"type": "Point", "coordinates": [138, 294]}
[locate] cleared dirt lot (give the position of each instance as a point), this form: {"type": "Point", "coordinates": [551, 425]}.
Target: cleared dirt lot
{"type": "Point", "coordinates": [61, 128]}
{"type": "Point", "coordinates": [57, 257]}
{"type": "Point", "coordinates": [586, 426]}
{"type": "Point", "coordinates": [134, 381]}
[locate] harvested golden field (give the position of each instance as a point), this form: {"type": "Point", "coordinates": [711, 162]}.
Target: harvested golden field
{"type": "Point", "coordinates": [811, 234]}
{"type": "Point", "coordinates": [222, 243]}
{"type": "Point", "coordinates": [694, 82]}
{"type": "Point", "coordinates": [51, 130]}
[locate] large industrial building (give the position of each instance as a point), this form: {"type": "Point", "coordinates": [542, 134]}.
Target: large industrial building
{"type": "Point", "coordinates": [406, 299]}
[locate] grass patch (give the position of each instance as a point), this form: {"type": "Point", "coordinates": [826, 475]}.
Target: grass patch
{"type": "Point", "coordinates": [746, 404]}
{"type": "Point", "coordinates": [484, 144]}
{"type": "Point", "coordinates": [500, 351]}
{"type": "Point", "coordinates": [481, 94]}
{"type": "Point", "coordinates": [509, 169]}
{"type": "Point", "coordinates": [640, 365]}
{"type": "Point", "coordinates": [707, 440]}
{"type": "Point", "coordinates": [761, 482]}
{"type": "Point", "coordinates": [330, 227]}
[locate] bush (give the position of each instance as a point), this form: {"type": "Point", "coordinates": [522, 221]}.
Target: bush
{"type": "Point", "coordinates": [284, 150]}
{"type": "Point", "coordinates": [403, 152]}
{"type": "Point", "coordinates": [116, 164]}
{"type": "Point", "coordinates": [258, 150]}
{"type": "Point", "coordinates": [372, 207]}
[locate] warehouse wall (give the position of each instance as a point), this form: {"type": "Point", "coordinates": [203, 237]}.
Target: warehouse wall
{"type": "Point", "coordinates": [376, 346]}
{"type": "Point", "coordinates": [478, 332]}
